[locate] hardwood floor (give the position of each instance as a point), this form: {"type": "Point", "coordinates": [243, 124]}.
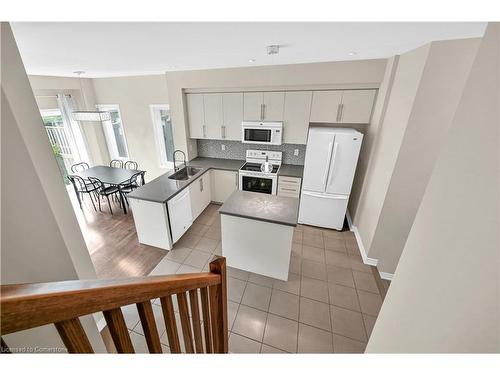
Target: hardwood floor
{"type": "Point", "coordinates": [112, 241]}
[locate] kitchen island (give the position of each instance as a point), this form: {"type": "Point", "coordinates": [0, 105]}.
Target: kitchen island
{"type": "Point", "coordinates": [257, 231]}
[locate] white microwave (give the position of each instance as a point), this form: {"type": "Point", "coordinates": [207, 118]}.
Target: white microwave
{"type": "Point", "coordinates": [264, 133]}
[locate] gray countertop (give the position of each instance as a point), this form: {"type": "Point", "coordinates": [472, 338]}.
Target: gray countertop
{"type": "Point", "coordinates": [291, 170]}
{"type": "Point", "coordinates": [262, 207]}
{"type": "Point", "coordinates": [162, 188]}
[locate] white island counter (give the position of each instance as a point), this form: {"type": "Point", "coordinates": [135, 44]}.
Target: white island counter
{"type": "Point", "coordinates": [257, 231]}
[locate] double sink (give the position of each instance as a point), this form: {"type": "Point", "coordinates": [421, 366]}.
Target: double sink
{"type": "Point", "coordinates": [185, 173]}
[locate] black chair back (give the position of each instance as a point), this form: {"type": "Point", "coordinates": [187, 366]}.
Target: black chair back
{"type": "Point", "coordinates": [98, 184]}
{"type": "Point", "coordinates": [115, 163]}
{"type": "Point", "coordinates": [81, 185]}
{"type": "Point", "coordinates": [131, 165]}
{"type": "Point", "coordinates": [79, 167]}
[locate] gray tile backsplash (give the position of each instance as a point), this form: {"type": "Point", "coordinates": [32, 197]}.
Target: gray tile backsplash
{"type": "Point", "coordinates": [236, 150]}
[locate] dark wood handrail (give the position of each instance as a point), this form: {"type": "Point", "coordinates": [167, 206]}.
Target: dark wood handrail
{"type": "Point", "coordinates": [25, 306]}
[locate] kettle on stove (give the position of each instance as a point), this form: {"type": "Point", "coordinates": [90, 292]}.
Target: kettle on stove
{"type": "Point", "coordinates": [266, 167]}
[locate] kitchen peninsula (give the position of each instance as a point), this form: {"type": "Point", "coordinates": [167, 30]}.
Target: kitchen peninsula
{"type": "Point", "coordinates": [257, 231]}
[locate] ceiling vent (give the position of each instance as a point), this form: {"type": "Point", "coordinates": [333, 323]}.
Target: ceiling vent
{"type": "Point", "coordinates": [273, 49]}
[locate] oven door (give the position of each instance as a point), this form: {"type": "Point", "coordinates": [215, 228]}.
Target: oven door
{"type": "Point", "coordinates": [256, 135]}
{"type": "Point", "coordinates": [264, 185]}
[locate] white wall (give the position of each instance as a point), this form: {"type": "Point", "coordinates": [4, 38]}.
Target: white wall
{"type": "Point", "coordinates": [41, 240]}
{"type": "Point", "coordinates": [445, 293]}
{"type": "Point", "coordinates": [134, 95]}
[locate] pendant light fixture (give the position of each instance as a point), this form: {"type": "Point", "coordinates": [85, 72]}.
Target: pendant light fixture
{"type": "Point", "coordinates": [89, 115]}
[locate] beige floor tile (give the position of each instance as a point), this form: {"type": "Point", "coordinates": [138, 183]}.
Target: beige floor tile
{"type": "Point", "coordinates": [185, 268]}
{"type": "Point", "coordinates": [312, 230]}
{"type": "Point", "coordinates": [297, 249]}
{"type": "Point", "coordinates": [365, 281]}
{"type": "Point", "coordinates": [337, 259]}
{"type": "Point", "coordinates": [232, 310]}
{"type": "Point", "coordinates": [313, 253]}
{"type": "Point", "coordinates": [370, 302]}
{"type": "Point", "coordinates": [261, 280]}
{"type": "Point", "coordinates": [290, 286]}
{"type": "Point", "coordinates": [238, 274]}
{"type": "Point", "coordinates": [218, 250]}
{"type": "Point", "coordinates": [314, 270]}
{"type": "Point", "coordinates": [314, 313]}
{"type": "Point", "coordinates": [250, 323]}
{"type": "Point", "coordinates": [343, 296]}
{"type": "Point", "coordinates": [284, 304]}
{"type": "Point", "coordinates": [139, 343]}
{"type": "Point", "coordinates": [281, 333]}
{"type": "Point", "coordinates": [257, 296]}
{"type": "Point", "coordinates": [165, 267]}
{"type": "Point", "coordinates": [314, 289]}
{"type": "Point", "coordinates": [340, 275]}
{"type": "Point", "coordinates": [314, 340]}
{"type": "Point", "coordinates": [266, 349]}
{"type": "Point", "coordinates": [213, 233]}
{"type": "Point", "coordinates": [240, 344]}
{"type": "Point", "coordinates": [235, 289]}
{"type": "Point", "coordinates": [297, 237]}
{"type": "Point", "coordinates": [130, 315]}
{"type": "Point", "coordinates": [358, 265]}
{"type": "Point", "coordinates": [369, 323]}
{"type": "Point", "coordinates": [189, 240]}
{"type": "Point", "coordinates": [159, 321]}
{"type": "Point", "coordinates": [335, 244]}
{"type": "Point", "coordinates": [178, 254]}
{"type": "Point", "coordinates": [313, 239]}
{"type": "Point", "coordinates": [206, 219]}
{"type": "Point", "coordinates": [206, 244]}
{"type": "Point", "coordinates": [295, 264]}
{"type": "Point", "coordinates": [198, 259]}
{"type": "Point", "coordinates": [198, 229]}
{"type": "Point", "coordinates": [343, 344]}
{"type": "Point", "coordinates": [348, 323]}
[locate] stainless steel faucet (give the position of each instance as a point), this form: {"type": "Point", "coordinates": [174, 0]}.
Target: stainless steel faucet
{"type": "Point", "coordinates": [184, 159]}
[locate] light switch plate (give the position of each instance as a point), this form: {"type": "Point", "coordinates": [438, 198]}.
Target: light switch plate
{"type": "Point", "coordinates": [296, 152]}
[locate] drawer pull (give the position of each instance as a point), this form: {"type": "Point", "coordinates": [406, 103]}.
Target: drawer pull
{"type": "Point", "coordinates": [287, 189]}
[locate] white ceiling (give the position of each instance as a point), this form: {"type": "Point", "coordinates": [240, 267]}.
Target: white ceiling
{"type": "Point", "coordinates": [126, 48]}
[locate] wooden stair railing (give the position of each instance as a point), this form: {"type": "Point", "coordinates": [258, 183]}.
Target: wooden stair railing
{"type": "Point", "coordinates": [25, 306]}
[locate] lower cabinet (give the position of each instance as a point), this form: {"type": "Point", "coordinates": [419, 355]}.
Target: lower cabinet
{"type": "Point", "coordinates": [200, 194]}
{"type": "Point", "coordinates": [224, 183]}
{"type": "Point", "coordinates": [180, 214]}
{"type": "Point", "coordinates": [289, 186]}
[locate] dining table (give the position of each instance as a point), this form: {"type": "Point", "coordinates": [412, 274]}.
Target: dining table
{"type": "Point", "coordinates": [111, 176]}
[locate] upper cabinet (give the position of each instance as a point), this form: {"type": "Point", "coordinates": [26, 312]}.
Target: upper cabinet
{"type": "Point", "coordinates": [263, 106]}
{"type": "Point", "coordinates": [232, 107]}
{"type": "Point", "coordinates": [296, 116]}
{"type": "Point", "coordinates": [196, 115]}
{"type": "Point", "coordinates": [219, 115]}
{"type": "Point", "coordinates": [344, 107]}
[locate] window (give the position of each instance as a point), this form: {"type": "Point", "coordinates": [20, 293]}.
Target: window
{"type": "Point", "coordinates": [52, 117]}
{"type": "Point", "coordinates": [114, 133]}
{"type": "Point", "coordinates": [163, 134]}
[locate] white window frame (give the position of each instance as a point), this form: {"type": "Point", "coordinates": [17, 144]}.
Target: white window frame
{"type": "Point", "coordinates": [109, 136]}
{"type": "Point", "coordinates": [158, 134]}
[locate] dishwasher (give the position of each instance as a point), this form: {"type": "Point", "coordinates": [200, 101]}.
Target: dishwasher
{"type": "Point", "coordinates": [180, 216]}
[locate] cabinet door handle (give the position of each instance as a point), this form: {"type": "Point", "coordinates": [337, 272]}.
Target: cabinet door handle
{"type": "Point", "coordinates": [338, 112]}
{"type": "Point", "coordinates": [201, 184]}
{"type": "Point", "coordinates": [236, 179]}
{"type": "Point", "coordinates": [223, 131]}
{"type": "Point", "coordinates": [204, 131]}
{"type": "Point", "coordinates": [341, 112]}
{"type": "Point", "coordinates": [287, 189]}
{"type": "Point", "coordinates": [262, 111]}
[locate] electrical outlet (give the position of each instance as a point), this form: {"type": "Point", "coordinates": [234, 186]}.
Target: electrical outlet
{"type": "Point", "coordinates": [223, 147]}
{"type": "Point", "coordinates": [296, 152]}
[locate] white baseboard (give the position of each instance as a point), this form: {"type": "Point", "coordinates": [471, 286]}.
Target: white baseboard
{"type": "Point", "coordinates": [366, 259]}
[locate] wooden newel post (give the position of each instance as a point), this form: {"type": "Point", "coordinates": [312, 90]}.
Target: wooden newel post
{"type": "Point", "coordinates": [218, 307]}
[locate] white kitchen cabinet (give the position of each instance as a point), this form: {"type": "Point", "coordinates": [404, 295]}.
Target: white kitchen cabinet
{"type": "Point", "coordinates": [296, 116]}
{"type": "Point", "coordinates": [325, 106]}
{"type": "Point", "coordinates": [196, 115]}
{"type": "Point", "coordinates": [180, 214]}
{"type": "Point", "coordinates": [232, 104]}
{"type": "Point", "coordinates": [252, 106]}
{"type": "Point", "coordinates": [212, 105]}
{"type": "Point", "coordinates": [200, 194]}
{"type": "Point", "coordinates": [274, 102]}
{"type": "Point", "coordinates": [151, 223]}
{"type": "Point", "coordinates": [263, 106]}
{"type": "Point", "coordinates": [224, 183]}
{"type": "Point", "coordinates": [357, 106]}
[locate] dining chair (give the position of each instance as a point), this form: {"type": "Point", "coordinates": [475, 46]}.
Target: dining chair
{"type": "Point", "coordinates": [83, 187]}
{"type": "Point", "coordinates": [115, 163]}
{"type": "Point", "coordinates": [79, 167]}
{"type": "Point", "coordinates": [131, 165]}
{"type": "Point", "coordinates": [131, 184]}
{"type": "Point", "coordinates": [104, 191]}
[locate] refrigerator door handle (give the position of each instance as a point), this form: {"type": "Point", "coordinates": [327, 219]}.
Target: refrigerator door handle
{"type": "Point", "coordinates": [327, 196]}
{"type": "Point", "coordinates": [332, 164]}
{"type": "Point", "coordinates": [325, 175]}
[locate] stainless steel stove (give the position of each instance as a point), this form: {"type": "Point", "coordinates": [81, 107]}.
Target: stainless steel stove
{"type": "Point", "coordinates": [253, 179]}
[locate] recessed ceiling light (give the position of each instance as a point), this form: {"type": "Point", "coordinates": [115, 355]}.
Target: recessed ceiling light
{"type": "Point", "coordinates": [352, 53]}
{"type": "Point", "coordinates": [251, 60]}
